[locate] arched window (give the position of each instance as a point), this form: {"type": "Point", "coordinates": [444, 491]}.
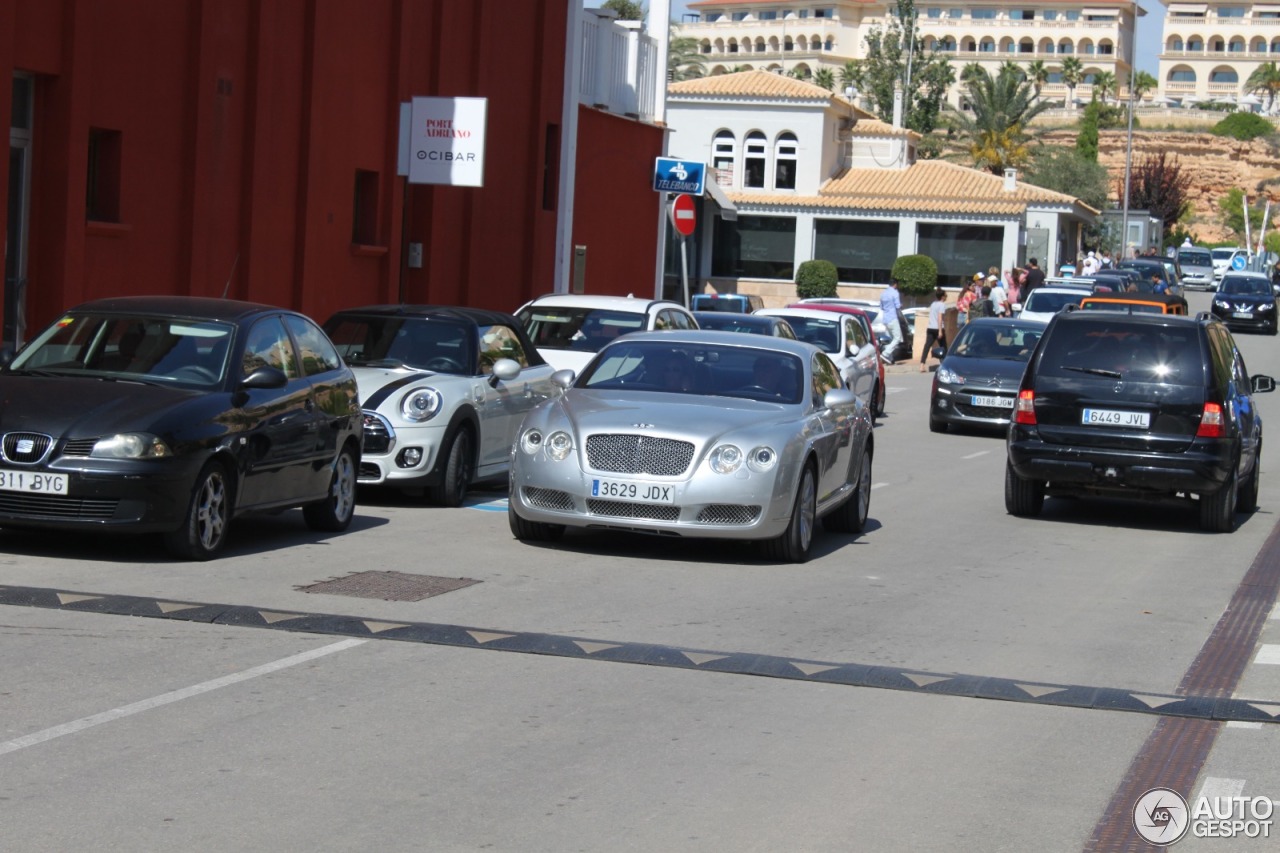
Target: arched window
{"type": "Point", "coordinates": [1066, 47]}
{"type": "Point", "coordinates": [1224, 75]}
{"type": "Point", "coordinates": [753, 164]}
{"type": "Point", "coordinates": [949, 44]}
{"type": "Point", "coordinates": [1086, 47]}
{"type": "Point", "coordinates": [724, 153]}
{"type": "Point", "coordinates": [1175, 45]}
{"type": "Point", "coordinates": [1182, 75]}
{"type": "Point", "coordinates": [829, 44]}
{"type": "Point", "coordinates": [1275, 46]}
{"type": "Point", "coordinates": [785, 151]}
{"type": "Point", "coordinates": [1236, 45]}
{"type": "Point", "coordinates": [1217, 46]}
{"type": "Point", "coordinates": [1195, 44]}
{"type": "Point", "coordinates": [987, 45]}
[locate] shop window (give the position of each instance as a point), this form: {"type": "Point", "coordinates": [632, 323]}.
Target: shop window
{"type": "Point", "coordinates": [102, 202]}
{"type": "Point", "coordinates": [364, 214]}
{"type": "Point", "coordinates": [754, 247]}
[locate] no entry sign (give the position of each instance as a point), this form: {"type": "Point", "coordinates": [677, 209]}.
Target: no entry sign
{"type": "Point", "coordinates": [683, 215]}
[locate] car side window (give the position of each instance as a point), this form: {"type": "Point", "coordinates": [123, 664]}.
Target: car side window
{"type": "Point", "coordinates": [318, 353]}
{"type": "Point", "coordinates": [499, 342]}
{"type": "Point", "coordinates": [1221, 356]}
{"type": "Point", "coordinates": [853, 331]}
{"type": "Point", "coordinates": [268, 345]}
{"type": "Point", "coordinates": [825, 378]}
{"type": "Point", "coordinates": [662, 322]}
{"type": "Point", "coordinates": [683, 321]}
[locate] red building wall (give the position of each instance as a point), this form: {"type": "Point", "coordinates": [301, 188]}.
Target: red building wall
{"type": "Point", "coordinates": [242, 125]}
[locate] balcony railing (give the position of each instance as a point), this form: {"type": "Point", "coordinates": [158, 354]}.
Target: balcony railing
{"type": "Point", "coordinates": [618, 66]}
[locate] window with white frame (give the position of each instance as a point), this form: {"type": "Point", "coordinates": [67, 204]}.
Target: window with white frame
{"type": "Point", "coordinates": [755, 161]}
{"type": "Point", "coordinates": [785, 152]}
{"type": "Point", "coordinates": [724, 153]}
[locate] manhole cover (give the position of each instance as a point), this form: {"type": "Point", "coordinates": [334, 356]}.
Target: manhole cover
{"type": "Point", "coordinates": [389, 586]}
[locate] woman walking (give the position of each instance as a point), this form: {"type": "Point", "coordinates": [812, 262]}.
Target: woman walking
{"type": "Point", "coordinates": [934, 333]}
{"type": "Point", "coordinates": [968, 293]}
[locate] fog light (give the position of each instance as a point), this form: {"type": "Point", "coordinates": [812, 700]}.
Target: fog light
{"type": "Point", "coordinates": [410, 457]}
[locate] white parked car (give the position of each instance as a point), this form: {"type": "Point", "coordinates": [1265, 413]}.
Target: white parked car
{"type": "Point", "coordinates": [1222, 258]}
{"type": "Point", "coordinates": [568, 329]}
{"type": "Point", "coordinates": [1043, 302]}
{"type": "Point", "coordinates": [841, 337]}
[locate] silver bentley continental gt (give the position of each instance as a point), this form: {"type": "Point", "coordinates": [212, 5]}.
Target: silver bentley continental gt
{"type": "Point", "coordinates": [700, 434]}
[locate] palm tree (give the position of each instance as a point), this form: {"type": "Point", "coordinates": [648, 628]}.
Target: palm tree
{"type": "Point", "coordinates": [1104, 84]}
{"type": "Point", "coordinates": [971, 71]}
{"type": "Point", "coordinates": [850, 74]}
{"type": "Point", "coordinates": [1001, 110]}
{"type": "Point", "coordinates": [1011, 66]}
{"type": "Point", "coordinates": [1038, 74]}
{"type": "Point", "coordinates": [684, 62]}
{"type": "Point", "coordinates": [1143, 82]}
{"type": "Point", "coordinates": [826, 78]}
{"type": "Point", "coordinates": [1072, 74]}
{"type": "Point", "coordinates": [1265, 78]}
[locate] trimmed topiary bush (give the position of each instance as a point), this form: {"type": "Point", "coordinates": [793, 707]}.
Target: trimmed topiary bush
{"type": "Point", "coordinates": [916, 274]}
{"type": "Point", "coordinates": [1243, 126]}
{"type": "Point", "coordinates": [816, 278]}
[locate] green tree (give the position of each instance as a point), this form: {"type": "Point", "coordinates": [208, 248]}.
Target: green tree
{"type": "Point", "coordinates": [628, 10]}
{"type": "Point", "coordinates": [1001, 109]}
{"type": "Point", "coordinates": [826, 78]}
{"type": "Point", "coordinates": [800, 73]}
{"type": "Point", "coordinates": [916, 274]}
{"type": "Point", "coordinates": [848, 74]}
{"type": "Point", "coordinates": [886, 63]}
{"type": "Point", "coordinates": [971, 71]}
{"type": "Point", "coordinates": [1243, 126]}
{"type": "Point", "coordinates": [816, 278]}
{"type": "Point", "coordinates": [1072, 74]}
{"type": "Point", "coordinates": [1105, 85]}
{"type": "Point", "coordinates": [684, 61]}
{"type": "Point", "coordinates": [1011, 66]}
{"type": "Point", "coordinates": [1143, 83]}
{"type": "Point", "coordinates": [1069, 171]}
{"type": "Point", "coordinates": [1038, 74]}
{"type": "Point", "coordinates": [1231, 207]}
{"type": "Point", "coordinates": [1157, 184]}
{"type": "Point", "coordinates": [1087, 141]}
{"type": "Point", "coordinates": [1266, 79]}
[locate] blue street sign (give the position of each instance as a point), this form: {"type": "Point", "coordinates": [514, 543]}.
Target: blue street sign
{"type": "Point", "coordinates": [679, 176]}
{"type": "Point", "coordinates": [1239, 262]}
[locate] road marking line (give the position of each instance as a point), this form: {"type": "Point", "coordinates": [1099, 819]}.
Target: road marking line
{"type": "Point", "coordinates": [174, 696]}
{"type": "Point", "coordinates": [1241, 724]}
{"type": "Point", "coordinates": [875, 486]}
{"type": "Point", "coordinates": [976, 455]}
{"type": "Point", "coordinates": [1269, 653]}
{"type": "Point", "coordinates": [1216, 786]}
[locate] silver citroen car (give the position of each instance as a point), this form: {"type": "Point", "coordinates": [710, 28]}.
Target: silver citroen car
{"type": "Point", "coordinates": [699, 434]}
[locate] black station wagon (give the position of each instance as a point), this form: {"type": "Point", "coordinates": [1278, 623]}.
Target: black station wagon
{"type": "Point", "coordinates": [1141, 406]}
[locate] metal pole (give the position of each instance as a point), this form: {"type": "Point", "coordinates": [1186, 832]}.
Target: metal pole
{"type": "Point", "coordinates": [1128, 145]}
{"type": "Point", "coordinates": [684, 269]}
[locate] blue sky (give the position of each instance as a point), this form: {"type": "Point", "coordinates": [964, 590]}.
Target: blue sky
{"type": "Point", "coordinates": [1149, 29]}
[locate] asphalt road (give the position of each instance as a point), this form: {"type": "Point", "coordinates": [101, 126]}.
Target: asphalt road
{"type": "Point", "coordinates": [619, 693]}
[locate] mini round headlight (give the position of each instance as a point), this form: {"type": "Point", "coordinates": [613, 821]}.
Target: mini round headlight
{"type": "Point", "coordinates": [531, 441]}
{"type": "Point", "coordinates": [559, 444]}
{"type": "Point", "coordinates": [762, 459]}
{"type": "Point", "coordinates": [725, 459]}
{"type": "Point", "coordinates": [421, 404]}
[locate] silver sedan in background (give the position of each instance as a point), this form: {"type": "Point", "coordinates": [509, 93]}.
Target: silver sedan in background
{"type": "Point", "coordinates": [701, 434]}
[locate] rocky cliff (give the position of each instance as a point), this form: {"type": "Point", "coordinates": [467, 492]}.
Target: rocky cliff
{"type": "Point", "coordinates": [1216, 164]}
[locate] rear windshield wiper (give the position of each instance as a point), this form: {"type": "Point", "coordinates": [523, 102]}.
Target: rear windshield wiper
{"type": "Point", "coordinates": [1096, 371]}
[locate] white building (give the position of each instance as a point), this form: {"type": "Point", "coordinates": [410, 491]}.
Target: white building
{"type": "Point", "coordinates": [1210, 49]}
{"type": "Point", "coordinates": [809, 175]}
{"type": "Point", "coordinates": [808, 35]}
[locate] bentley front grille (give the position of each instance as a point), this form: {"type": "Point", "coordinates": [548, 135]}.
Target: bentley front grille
{"type": "Point", "coordinates": [638, 454]}
{"type": "Point", "coordinates": [549, 499]}
{"type": "Point", "coordinates": [728, 514]}
{"type": "Point", "coordinates": [623, 509]}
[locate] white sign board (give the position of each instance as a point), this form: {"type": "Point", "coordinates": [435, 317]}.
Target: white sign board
{"type": "Point", "coordinates": [446, 141]}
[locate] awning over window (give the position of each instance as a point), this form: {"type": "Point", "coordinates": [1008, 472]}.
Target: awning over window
{"type": "Point", "coordinates": [727, 209]}
{"type": "Point", "coordinates": [1114, 10]}
{"type": "Point", "coordinates": [1189, 8]}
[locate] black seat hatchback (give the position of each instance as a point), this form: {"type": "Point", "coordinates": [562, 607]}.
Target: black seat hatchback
{"type": "Point", "coordinates": [1142, 406]}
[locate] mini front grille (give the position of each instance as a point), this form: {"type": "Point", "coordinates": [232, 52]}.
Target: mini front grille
{"type": "Point", "coordinates": [728, 514]}
{"type": "Point", "coordinates": [56, 507]}
{"type": "Point", "coordinates": [79, 447]}
{"type": "Point", "coordinates": [638, 454]}
{"type": "Point", "coordinates": [549, 499]}
{"type": "Point", "coordinates": [369, 471]}
{"type": "Point", "coordinates": [622, 509]}
{"type": "Point", "coordinates": [26, 448]}
{"type": "Point", "coordinates": [379, 437]}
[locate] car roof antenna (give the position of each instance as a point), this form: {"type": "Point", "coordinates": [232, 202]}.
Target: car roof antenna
{"type": "Point", "coordinates": [231, 275]}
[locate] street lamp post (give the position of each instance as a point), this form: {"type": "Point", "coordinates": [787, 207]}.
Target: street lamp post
{"type": "Point", "coordinates": [1128, 144]}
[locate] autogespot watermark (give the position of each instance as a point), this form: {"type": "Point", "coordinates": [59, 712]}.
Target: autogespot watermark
{"type": "Point", "coordinates": [1162, 817]}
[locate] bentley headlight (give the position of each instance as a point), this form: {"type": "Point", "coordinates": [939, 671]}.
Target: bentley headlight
{"type": "Point", "coordinates": [531, 441]}
{"type": "Point", "coordinates": [947, 376]}
{"type": "Point", "coordinates": [725, 459]}
{"type": "Point", "coordinates": [761, 459]}
{"type": "Point", "coordinates": [421, 404]}
{"type": "Point", "coordinates": [131, 445]}
{"type": "Point", "coordinates": [559, 444]}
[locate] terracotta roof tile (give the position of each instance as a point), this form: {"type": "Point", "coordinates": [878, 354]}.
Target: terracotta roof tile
{"type": "Point", "coordinates": [758, 84]}
{"type": "Point", "coordinates": [875, 127]}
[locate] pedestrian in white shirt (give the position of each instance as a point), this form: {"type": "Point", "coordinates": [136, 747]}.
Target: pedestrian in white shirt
{"type": "Point", "coordinates": [890, 315]}
{"type": "Point", "coordinates": [999, 297]}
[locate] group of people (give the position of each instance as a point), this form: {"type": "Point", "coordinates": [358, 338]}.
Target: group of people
{"type": "Point", "coordinates": [1088, 265]}
{"type": "Point", "coordinates": [992, 294]}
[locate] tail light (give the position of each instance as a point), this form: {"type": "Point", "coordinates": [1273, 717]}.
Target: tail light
{"type": "Point", "coordinates": [1211, 423]}
{"type": "Point", "coordinates": [1025, 410]}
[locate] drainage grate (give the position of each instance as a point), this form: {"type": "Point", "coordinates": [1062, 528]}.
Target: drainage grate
{"type": "Point", "coordinates": [389, 586]}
